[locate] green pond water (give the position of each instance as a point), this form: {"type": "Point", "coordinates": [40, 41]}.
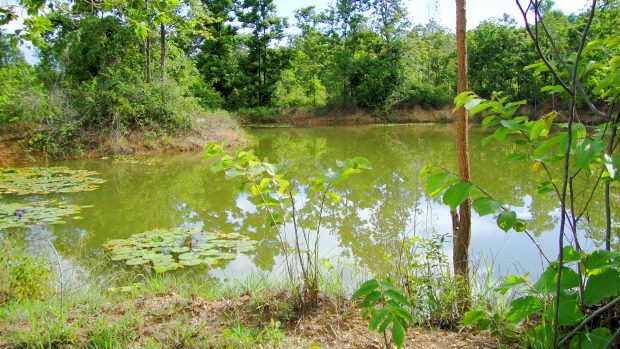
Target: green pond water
{"type": "Point", "coordinates": [377, 206]}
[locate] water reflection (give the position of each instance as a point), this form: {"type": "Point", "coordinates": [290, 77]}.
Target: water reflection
{"type": "Point", "coordinates": [377, 207]}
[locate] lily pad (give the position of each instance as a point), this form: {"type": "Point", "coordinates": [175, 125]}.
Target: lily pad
{"type": "Point", "coordinates": [191, 262]}
{"type": "Point", "coordinates": [171, 249]}
{"type": "Point", "coordinates": [136, 261]}
{"type": "Point", "coordinates": [20, 215]}
{"type": "Point", "coordinates": [45, 180]}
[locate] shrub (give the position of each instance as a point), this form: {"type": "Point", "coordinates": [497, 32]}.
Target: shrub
{"type": "Point", "coordinates": [427, 96]}
{"type": "Point", "coordinates": [259, 115]}
{"type": "Point", "coordinates": [22, 277]}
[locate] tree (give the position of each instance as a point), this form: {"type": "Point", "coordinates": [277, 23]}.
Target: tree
{"type": "Point", "coordinates": [266, 27]}
{"type": "Point", "coordinates": [346, 21]}
{"type": "Point", "coordinates": [301, 85]}
{"type": "Point", "coordinates": [497, 52]}
{"type": "Point", "coordinates": [461, 222]}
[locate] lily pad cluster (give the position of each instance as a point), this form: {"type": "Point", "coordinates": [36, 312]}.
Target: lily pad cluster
{"type": "Point", "coordinates": [45, 180]}
{"type": "Point", "coordinates": [179, 247]}
{"type": "Point", "coordinates": [18, 215]}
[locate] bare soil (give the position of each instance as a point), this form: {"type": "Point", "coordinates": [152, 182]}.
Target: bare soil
{"type": "Point", "coordinates": [364, 116]}
{"type": "Point", "coordinates": [329, 326]}
{"type": "Point", "coordinates": [207, 128]}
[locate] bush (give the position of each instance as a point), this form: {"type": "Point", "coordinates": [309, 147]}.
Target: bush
{"type": "Point", "coordinates": [108, 89]}
{"type": "Point", "coordinates": [427, 96]}
{"type": "Point", "coordinates": [22, 277]}
{"type": "Point", "coordinates": [259, 115]}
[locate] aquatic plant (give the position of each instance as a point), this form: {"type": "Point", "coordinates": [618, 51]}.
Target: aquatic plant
{"type": "Point", "coordinates": [20, 215]}
{"type": "Point", "coordinates": [175, 248]}
{"type": "Point", "coordinates": [45, 180]}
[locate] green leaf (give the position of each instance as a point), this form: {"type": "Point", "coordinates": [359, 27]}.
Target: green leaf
{"type": "Point", "coordinates": [462, 98]}
{"type": "Point", "coordinates": [521, 308]}
{"type": "Point", "coordinates": [570, 314]}
{"type": "Point", "coordinates": [365, 288]}
{"type": "Point", "coordinates": [386, 322]}
{"type": "Point", "coordinates": [551, 149]}
{"type": "Point", "coordinates": [501, 133]}
{"type": "Point", "coordinates": [602, 259]}
{"type": "Point", "coordinates": [595, 339]}
{"type": "Point", "coordinates": [456, 194]}
{"type": "Point", "coordinates": [601, 286]}
{"type": "Point", "coordinates": [477, 109]}
{"type": "Point", "coordinates": [543, 336]}
{"type": "Point", "coordinates": [371, 299]}
{"type": "Point", "coordinates": [438, 182]}
{"type": "Point", "coordinates": [472, 103]}
{"type": "Point", "coordinates": [545, 187]}
{"type": "Point", "coordinates": [515, 157]}
{"type": "Point", "coordinates": [212, 150]}
{"type": "Point", "coordinates": [570, 255]}
{"type": "Point", "coordinates": [483, 324]}
{"type": "Point", "coordinates": [362, 163]}
{"type": "Point", "coordinates": [398, 333]}
{"type": "Point", "coordinates": [553, 89]}
{"type": "Point", "coordinates": [519, 226]}
{"type": "Point", "coordinates": [397, 296]}
{"type": "Point", "coordinates": [376, 320]}
{"type": "Point", "coordinates": [485, 205]}
{"type": "Point", "coordinates": [586, 151]}
{"type": "Point", "coordinates": [511, 282]}
{"type": "Point", "coordinates": [402, 313]}
{"type": "Point", "coordinates": [509, 124]}
{"type": "Point", "coordinates": [547, 281]}
{"type": "Point", "coordinates": [335, 197]}
{"type": "Point", "coordinates": [274, 219]}
{"type": "Point", "coordinates": [613, 166]}
{"type": "Point", "coordinates": [506, 220]}
{"type": "Point", "coordinates": [472, 316]}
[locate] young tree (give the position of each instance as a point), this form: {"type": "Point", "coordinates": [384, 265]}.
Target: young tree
{"type": "Point", "coordinates": [461, 222]}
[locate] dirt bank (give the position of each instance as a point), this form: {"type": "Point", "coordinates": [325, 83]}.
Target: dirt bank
{"type": "Point", "coordinates": [364, 116]}
{"type": "Point", "coordinates": [327, 116]}
{"type": "Point", "coordinates": [14, 147]}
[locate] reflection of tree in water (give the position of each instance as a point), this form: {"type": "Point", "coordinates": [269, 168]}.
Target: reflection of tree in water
{"type": "Point", "coordinates": [377, 206]}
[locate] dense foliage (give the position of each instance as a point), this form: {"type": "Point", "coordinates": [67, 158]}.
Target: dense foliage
{"type": "Point", "coordinates": [134, 64]}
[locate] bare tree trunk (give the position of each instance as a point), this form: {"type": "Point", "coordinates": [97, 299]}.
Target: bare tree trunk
{"type": "Point", "coordinates": [462, 231]}
{"type": "Point", "coordinates": [148, 45]}
{"type": "Point", "coordinates": [162, 60]}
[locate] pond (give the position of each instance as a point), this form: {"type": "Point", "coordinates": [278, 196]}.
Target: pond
{"type": "Point", "coordinates": [377, 206]}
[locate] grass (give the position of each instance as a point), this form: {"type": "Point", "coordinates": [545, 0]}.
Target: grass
{"type": "Point", "coordinates": [96, 317]}
{"type": "Point", "coordinates": [173, 310]}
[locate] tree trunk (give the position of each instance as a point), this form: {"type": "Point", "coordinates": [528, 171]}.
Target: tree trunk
{"type": "Point", "coordinates": [162, 60]}
{"type": "Point", "coordinates": [148, 45]}
{"type": "Point", "coordinates": [462, 228]}
{"type": "Point", "coordinates": [608, 218]}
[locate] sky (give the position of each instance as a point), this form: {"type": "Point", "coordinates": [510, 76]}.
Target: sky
{"type": "Point", "coordinates": [419, 10]}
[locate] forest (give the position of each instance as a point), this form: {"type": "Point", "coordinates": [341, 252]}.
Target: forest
{"type": "Point", "coordinates": [212, 174]}
{"type": "Point", "coordinates": [124, 66]}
